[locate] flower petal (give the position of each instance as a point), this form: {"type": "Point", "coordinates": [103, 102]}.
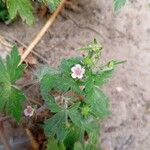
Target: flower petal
{"type": "Point", "coordinates": [73, 75]}
{"type": "Point", "coordinates": [80, 76]}
{"type": "Point", "coordinates": [73, 69]}
{"type": "Point", "coordinates": [78, 66]}
{"type": "Point", "coordinates": [29, 107]}
{"type": "Point", "coordinates": [26, 112]}
{"type": "Point", "coordinates": [31, 114]}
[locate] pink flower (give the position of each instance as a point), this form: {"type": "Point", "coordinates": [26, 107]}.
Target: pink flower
{"type": "Point", "coordinates": [29, 111]}
{"type": "Point", "coordinates": [77, 71]}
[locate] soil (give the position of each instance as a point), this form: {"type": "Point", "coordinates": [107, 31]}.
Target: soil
{"type": "Point", "coordinates": [124, 36]}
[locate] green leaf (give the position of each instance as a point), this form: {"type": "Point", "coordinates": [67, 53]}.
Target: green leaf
{"type": "Point", "coordinates": [113, 63]}
{"type": "Point", "coordinates": [13, 102]}
{"type": "Point", "coordinates": [118, 4]}
{"type": "Point", "coordinates": [4, 15]}
{"type": "Point", "coordinates": [52, 4]}
{"type": "Point", "coordinates": [52, 105]}
{"type": "Point", "coordinates": [11, 98]}
{"type": "Point", "coordinates": [75, 107]}
{"type": "Point", "coordinates": [89, 84]}
{"type": "Point", "coordinates": [3, 11]}
{"type": "Point", "coordinates": [94, 50]}
{"type": "Point", "coordinates": [53, 144]}
{"type": "Point", "coordinates": [95, 98]}
{"type": "Point", "coordinates": [46, 86]}
{"type": "Point", "coordinates": [44, 70]}
{"type": "Point", "coordinates": [85, 124]}
{"type": "Point", "coordinates": [87, 146]}
{"type": "Point", "coordinates": [91, 147]}
{"type": "Point", "coordinates": [4, 76]}
{"type": "Point", "coordinates": [56, 83]}
{"type": "Point", "coordinates": [53, 124]}
{"type": "Point", "coordinates": [63, 132]}
{"type": "Point", "coordinates": [2, 4]}
{"type": "Point", "coordinates": [15, 72]}
{"type": "Point", "coordinates": [75, 134]}
{"type": "Point", "coordinates": [102, 77]}
{"type": "Point", "coordinates": [75, 117]}
{"type": "Point", "coordinates": [93, 46]}
{"type": "Point", "coordinates": [21, 7]}
{"type": "Point", "coordinates": [78, 146]}
{"type": "Point", "coordinates": [93, 133]}
{"type": "Point", "coordinates": [98, 102]}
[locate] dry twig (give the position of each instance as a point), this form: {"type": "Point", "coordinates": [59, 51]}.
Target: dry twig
{"type": "Point", "coordinates": [33, 51]}
{"type": "Point", "coordinates": [42, 31]}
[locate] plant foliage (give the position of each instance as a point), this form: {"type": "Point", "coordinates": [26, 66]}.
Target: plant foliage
{"type": "Point", "coordinates": [3, 11]}
{"type": "Point", "coordinates": [11, 98]}
{"type": "Point", "coordinates": [77, 104]}
{"type": "Point", "coordinates": [52, 4]}
{"type": "Point", "coordinates": [118, 4]}
{"type": "Point", "coordinates": [10, 9]}
{"type": "Point", "coordinates": [53, 144]}
{"type": "Point", "coordinates": [21, 7]}
{"type": "Point", "coordinates": [72, 93]}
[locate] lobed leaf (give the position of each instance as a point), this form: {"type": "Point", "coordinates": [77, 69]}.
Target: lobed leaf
{"type": "Point", "coordinates": [78, 146]}
{"type": "Point", "coordinates": [3, 11]}
{"type": "Point", "coordinates": [102, 77]}
{"type": "Point", "coordinates": [56, 83]}
{"type": "Point", "coordinates": [75, 134]}
{"type": "Point", "coordinates": [21, 7]}
{"type": "Point", "coordinates": [52, 125]}
{"type": "Point", "coordinates": [44, 70]}
{"type": "Point", "coordinates": [15, 72]}
{"type": "Point", "coordinates": [11, 98]}
{"type": "Point", "coordinates": [99, 105]}
{"type": "Point", "coordinates": [12, 102]}
{"type": "Point", "coordinates": [53, 144]}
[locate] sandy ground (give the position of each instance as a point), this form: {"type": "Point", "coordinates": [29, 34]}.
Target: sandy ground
{"type": "Point", "coordinates": [124, 36]}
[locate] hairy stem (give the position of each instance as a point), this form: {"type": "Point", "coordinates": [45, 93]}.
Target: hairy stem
{"type": "Point", "coordinates": [66, 106]}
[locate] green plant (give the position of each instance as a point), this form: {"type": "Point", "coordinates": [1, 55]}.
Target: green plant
{"type": "Point", "coordinates": [10, 9]}
{"type": "Point", "coordinates": [21, 7]}
{"type": "Point", "coordinates": [52, 4]}
{"type": "Point", "coordinates": [3, 11]}
{"type": "Point", "coordinates": [11, 97]}
{"type": "Point", "coordinates": [118, 4]}
{"type": "Point", "coordinates": [76, 98]}
{"type": "Point", "coordinates": [72, 93]}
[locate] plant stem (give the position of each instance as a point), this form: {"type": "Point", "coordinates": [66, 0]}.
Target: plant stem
{"type": "Point", "coordinates": [4, 138]}
{"type": "Point", "coordinates": [66, 106]}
